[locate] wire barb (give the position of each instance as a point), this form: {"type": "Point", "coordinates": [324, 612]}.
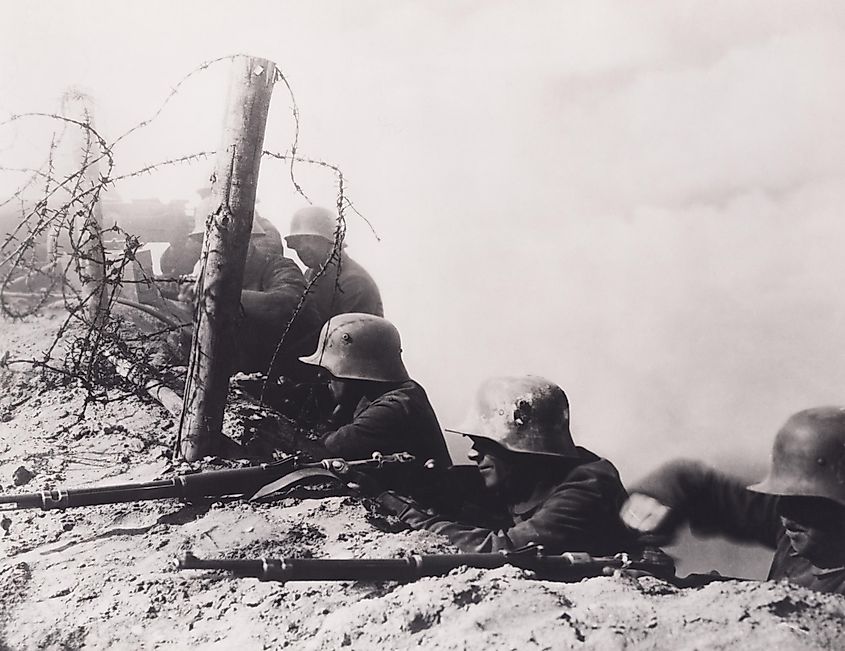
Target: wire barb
{"type": "Point", "coordinates": [51, 253]}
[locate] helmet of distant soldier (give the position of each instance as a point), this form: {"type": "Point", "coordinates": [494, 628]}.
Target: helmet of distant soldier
{"type": "Point", "coordinates": [356, 346]}
{"type": "Point", "coordinates": [313, 220]}
{"type": "Point", "coordinates": [522, 414]}
{"type": "Point", "coordinates": [204, 209]}
{"type": "Point", "coordinates": [808, 456]}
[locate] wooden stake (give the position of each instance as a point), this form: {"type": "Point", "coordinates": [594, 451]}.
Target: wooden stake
{"type": "Point", "coordinates": [88, 218]}
{"type": "Point", "coordinates": [224, 250]}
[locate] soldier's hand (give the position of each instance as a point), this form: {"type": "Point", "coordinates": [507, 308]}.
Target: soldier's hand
{"type": "Point", "coordinates": [395, 505]}
{"type": "Point", "coordinates": [357, 481]}
{"type": "Point", "coordinates": [625, 573]}
{"type": "Point", "coordinates": [644, 514]}
{"type": "Point", "coordinates": [187, 292]}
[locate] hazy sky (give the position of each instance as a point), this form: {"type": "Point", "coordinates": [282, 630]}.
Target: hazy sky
{"type": "Point", "coordinates": [641, 201]}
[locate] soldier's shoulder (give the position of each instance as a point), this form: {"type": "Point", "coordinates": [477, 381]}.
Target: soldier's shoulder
{"type": "Point", "coordinates": [353, 273]}
{"type": "Point", "coordinates": [594, 467]}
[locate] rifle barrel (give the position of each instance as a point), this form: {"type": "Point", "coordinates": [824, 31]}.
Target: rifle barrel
{"type": "Point", "coordinates": [321, 569]}
{"type": "Point", "coordinates": [213, 483]}
{"type": "Point", "coordinates": [251, 568]}
{"type": "Point", "coordinates": [564, 567]}
{"type": "Point", "coordinates": [22, 501]}
{"type": "Point", "coordinates": [326, 569]}
{"type": "Point", "coordinates": [567, 567]}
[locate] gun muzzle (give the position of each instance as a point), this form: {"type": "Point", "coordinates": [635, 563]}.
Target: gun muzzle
{"type": "Point", "coordinates": [252, 568]}
{"type": "Point", "coordinates": [22, 501]}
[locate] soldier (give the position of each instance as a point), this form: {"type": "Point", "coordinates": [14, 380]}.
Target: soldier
{"type": "Point", "coordinates": [798, 509]}
{"type": "Point", "coordinates": [549, 491]}
{"type": "Point", "coordinates": [265, 237]}
{"type": "Point", "coordinates": [344, 286]}
{"type": "Point", "coordinates": [271, 290]}
{"type": "Point", "coordinates": [391, 413]}
{"type": "Point", "coordinates": [181, 255]}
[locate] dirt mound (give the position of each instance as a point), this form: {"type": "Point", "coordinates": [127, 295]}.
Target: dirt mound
{"type": "Point", "coordinates": [103, 577]}
{"type": "Point", "coordinates": [501, 609]}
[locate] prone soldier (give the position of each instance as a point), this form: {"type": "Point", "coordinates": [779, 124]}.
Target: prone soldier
{"type": "Point", "coordinates": [390, 411]}
{"type": "Point", "coordinates": [798, 509]}
{"type": "Point", "coordinates": [548, 491]}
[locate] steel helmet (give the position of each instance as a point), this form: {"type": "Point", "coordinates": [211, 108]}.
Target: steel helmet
{"type": "Point", "coordinates": [313, 220]}
{"type": "Point", "coordinates": [522, 414]}
{"type": "Point", "coordinates": [205, 208]}
{"type": "Point", "coordinates": [358, 346]}
{"type": "Point", "coordinates": [808, 457]}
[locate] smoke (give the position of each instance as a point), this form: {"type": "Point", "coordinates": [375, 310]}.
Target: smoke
{"type": "Point", "coordinates": [658, 234]}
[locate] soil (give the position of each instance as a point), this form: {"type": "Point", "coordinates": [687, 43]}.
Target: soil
{"type": "Point", "coordinates": [103, 577]}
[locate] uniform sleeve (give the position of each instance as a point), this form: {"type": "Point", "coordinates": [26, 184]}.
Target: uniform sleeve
{"type": "Point", "coordinates": [713, 503]}
{"type": "Point", "coordinates": [378, 428]}
{"type": "Point", "coordinates": [282, 275]}
{"type": "Point", "coordinates": [574, 518]}
{"type": "Point", "coordinates": [359, 295]}
{"type": "Point", "coordinates": [282, 285]}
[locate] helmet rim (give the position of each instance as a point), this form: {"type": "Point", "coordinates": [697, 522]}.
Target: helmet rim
{"type": "Point", "coordinates": [359, 346]}
{"type": "Point", "coordinates": [526, 414]}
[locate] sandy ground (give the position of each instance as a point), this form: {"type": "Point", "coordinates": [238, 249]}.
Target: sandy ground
{"type": "Point", "coordinates": [103, 577]}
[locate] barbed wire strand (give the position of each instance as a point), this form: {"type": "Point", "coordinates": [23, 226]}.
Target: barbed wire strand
{"type": "Point", "coordinates": [65, 219]}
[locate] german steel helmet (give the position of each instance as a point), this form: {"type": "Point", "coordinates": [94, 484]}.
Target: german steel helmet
{"type": "Point", "coordinates": [204, 209]}
{"type": "Point", "coordinates": [357, 346]}
{"type": "Point", "coordinates": [313, 220]}
{"type": "Point", "coordinates": [522, 414]}
{"type": "Point", "coordinates": [808, 457]}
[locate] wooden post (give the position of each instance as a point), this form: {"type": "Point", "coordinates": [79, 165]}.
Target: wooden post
{"type": "Point", "coordinates": [225, 245]}
{"type": "Point", "coordinates": [88, 215]}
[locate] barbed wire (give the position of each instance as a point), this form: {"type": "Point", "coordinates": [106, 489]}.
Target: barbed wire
{"type": "Point", "coordinates": [294, 147]}
{"type": "Point", "coordinates": [76, 247]}
{"type": "Point", "coordinates": [87, 277]}
{"type": "Point", "coordinates": [334, 259]}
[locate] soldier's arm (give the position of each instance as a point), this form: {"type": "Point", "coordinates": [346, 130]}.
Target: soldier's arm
{"type": "Point", "coordinates": [359, 296]}
{"type": "Point", "coordinates": [377, 428]}
{"type": "Point", "coordinates": [574, 518]}
{"type": "Point", "coordinates": [282, 285]}
{"type": "Point", "coordinates": [282, 275]}
{"type": "Point", "coordinates": [712, 503]}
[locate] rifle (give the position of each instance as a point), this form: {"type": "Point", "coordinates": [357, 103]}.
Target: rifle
{"type": "Point", "coordinates": [569, 566]}
{"type": "Point", "coordinates": [257, 482]}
